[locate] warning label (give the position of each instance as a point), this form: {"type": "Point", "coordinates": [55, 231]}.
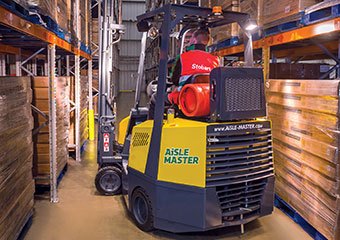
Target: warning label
{"type": "Point", "coordinates": [106, 138]}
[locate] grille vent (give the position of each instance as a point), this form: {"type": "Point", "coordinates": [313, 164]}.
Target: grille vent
{"type": "Point", "coordinates": [140, 139]}
{"type": "Point", "coordinates": [238, 166]}
{"type": "Point", "coordinates": [243, 94]}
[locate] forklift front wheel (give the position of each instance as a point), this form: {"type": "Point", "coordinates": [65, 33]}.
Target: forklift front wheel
{"type": "Point", "coordinates": [109, 181]}
{"type": "Point", "coordinates": [142, 210]}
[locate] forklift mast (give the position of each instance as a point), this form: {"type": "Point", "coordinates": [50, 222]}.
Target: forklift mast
{"type": "Point", "coordinates": [110, 34]}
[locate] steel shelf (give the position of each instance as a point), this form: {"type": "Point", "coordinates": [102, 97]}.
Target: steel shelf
{"type": "Point", "coordinates": [326, 31]}
{"type": "Point", "coordinates": [31, 35]}
{"type": "Point", "coordinates": [21, 37]}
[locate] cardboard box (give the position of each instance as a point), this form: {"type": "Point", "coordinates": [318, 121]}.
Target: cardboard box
{"type": "Point", "coordinates": [41, 141]}
{"type": "Point", "coordinates": [228, 31]}
{"type": "Point", "coordinates": [252, 7]}
{"type": "Point", "coordinates": [273, 10]}
{"type": "Point", "coordinates": [16, 182]}
{"type": "Point", "coordinates": [297, 71]}
{"type": "Point", "coordinates": [305, 128]}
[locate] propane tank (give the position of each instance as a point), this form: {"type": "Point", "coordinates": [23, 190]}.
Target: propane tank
{"type": "Point", "coordinates": [194, 100]}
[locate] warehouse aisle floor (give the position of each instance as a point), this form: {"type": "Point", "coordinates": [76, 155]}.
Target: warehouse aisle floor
{"type": "Point", "coordinates": [83, 214]}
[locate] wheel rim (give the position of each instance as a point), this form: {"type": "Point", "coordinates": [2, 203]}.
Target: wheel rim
{"type": "Point", "coordinates": [140, 210]}
{"type": "Point", "coordinates": [110, 182]}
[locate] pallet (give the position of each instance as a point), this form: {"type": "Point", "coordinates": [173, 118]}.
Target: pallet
{"type": "Point", "coordinates": [283, 27]}
{"type": "Point", "coordinates": [50, 25]}
{"type": "Point", "coordinates": [27, 225]}
{"type": "Point", "coordinates": [231, 42]}
{"type": "Point", "coordinates": [234, 41]}
{"type": "Point", "coordinates": [322, 12]}
{"type": "Point", "coordinates": [15, 8]}
{"type": "Point", "coordinates": [297, 218]}
{"type": "Point", "coordinates": [45, 21]}
{"type": "Point", "coordinates": [43, 188]}
{"type": "Point", "coordinates": [85, 48]}
{"type": "Point", "coordinates": [72, 150]}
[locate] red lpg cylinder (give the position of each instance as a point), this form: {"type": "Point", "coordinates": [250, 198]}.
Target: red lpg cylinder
{"type": "Point", "coordinates": [194, 100]}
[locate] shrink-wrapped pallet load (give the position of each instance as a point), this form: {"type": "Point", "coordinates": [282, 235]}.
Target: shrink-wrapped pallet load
{"type": "Point", "coordinates": [58, 10]}
{"type": "Point", "coordinates": [41, 166]}
{"type": "Point", "coordinates": [16, 153]}
{"type": "Point", "coordinates": [305, 116]}
{"type": "Point", "coordinates": [63, 14]}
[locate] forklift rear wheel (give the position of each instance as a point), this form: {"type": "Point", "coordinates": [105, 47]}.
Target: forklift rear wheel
{"type": "Point", "coordinates": [109, 181]}
{"type": "Point", "coordinates": [142, 210]}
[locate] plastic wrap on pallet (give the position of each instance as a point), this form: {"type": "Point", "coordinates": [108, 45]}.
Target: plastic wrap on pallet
{"type": "Point", "coordinates": [16, 182]}
{"type": "Point", "coordinates": [44, 7]}
{"type": "Point", "coordinates": [305, 117]}
{"type": "Point", "coordinates": [63, 14]}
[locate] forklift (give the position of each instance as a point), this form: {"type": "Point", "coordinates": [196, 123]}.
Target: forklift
{"type": "Point", "coordinates": [191, 174]}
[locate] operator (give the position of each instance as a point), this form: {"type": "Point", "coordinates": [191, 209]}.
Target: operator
{"type": "Point", "coordinates": [194, 61]}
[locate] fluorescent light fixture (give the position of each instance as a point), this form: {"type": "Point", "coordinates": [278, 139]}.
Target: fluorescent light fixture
{"type": "Point", "coordinates": [250, 25]}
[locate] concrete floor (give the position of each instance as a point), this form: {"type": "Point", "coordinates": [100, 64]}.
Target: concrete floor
{"type": "Point", "coordinates": [83, 214]}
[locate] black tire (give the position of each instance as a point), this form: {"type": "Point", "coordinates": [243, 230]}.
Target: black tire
{"type": "Point", "coordinates": [109, 181]}
{"type": "Point", "coordinates": [141, 208]}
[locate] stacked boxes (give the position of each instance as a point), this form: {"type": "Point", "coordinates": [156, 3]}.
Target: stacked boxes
{"type": "Point", "coordinates": [252, 7]}
{"type": "Point", "coordinates": [95, 33]}
{"type": "Point", "coordinates": [41, 163]}
{"type": "Point", "coordinates": [305, 117]}
{"type": "Point", "coordinates": [84, 88]}
{"type": "Point", "coordinates": [297, 71]}
{"type": "Point", "coordinates": [63, 13]}
{"type": "Point", "coordinates": [276, 12]}
{"type": "Point", "coordinates": [16, 153]}
{"type": "Point", "coordinates": [84, 93]}
{"type": "Point", "coordinates": [228, 31]}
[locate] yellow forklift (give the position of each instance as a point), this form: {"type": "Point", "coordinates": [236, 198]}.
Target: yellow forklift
{"type": "Point", "coordinates": [184, 174]}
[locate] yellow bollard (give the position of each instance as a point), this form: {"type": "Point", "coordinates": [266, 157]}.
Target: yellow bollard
{"type": "Point", "coordinates": [91, 125]}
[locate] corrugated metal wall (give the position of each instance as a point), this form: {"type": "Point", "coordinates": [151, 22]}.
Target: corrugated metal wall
{"type": "Point", "coordinates": [130, 45]}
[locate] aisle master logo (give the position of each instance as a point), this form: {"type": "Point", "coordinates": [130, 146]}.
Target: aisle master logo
{"type": "Point", "coordinates": [179, 156]}
{"type": "Point", "coordinates": [249, 126]}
